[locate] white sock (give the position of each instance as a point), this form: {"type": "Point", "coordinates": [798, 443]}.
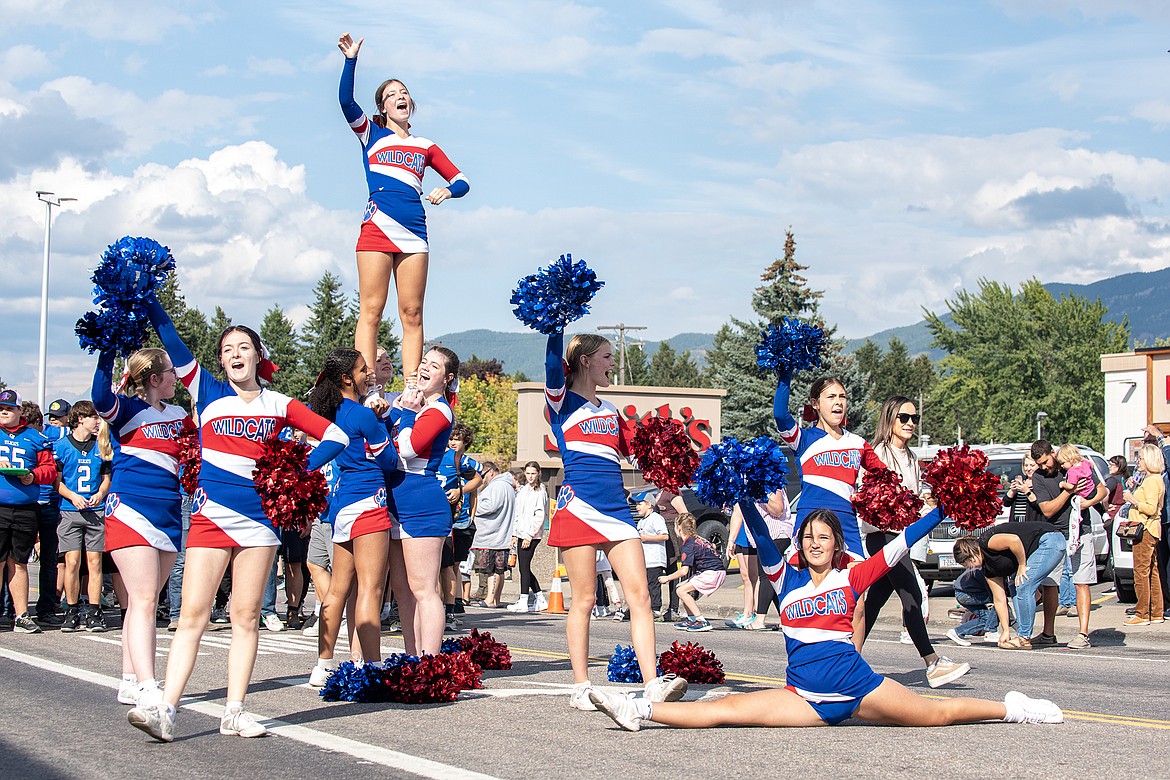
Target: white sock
{"type": "Point", "coordinates": [328, 664]}
{"type": "Point", "coordinates": [149, 684]}
{"type": "Point", "coordinates": [317, 609]}
{"type": "Point", "coordinates": [1014, 713]}
{"type": "Point", "coordinates": [582, 686]}
{"type": "Point", "coordinates": [129, 678]}
{"type": "Point", "coordinates": [234, 706]}
{"type": "Point", "coordinates": [169, 709]}
{"type": "Point", "coordinates": [644, 707]}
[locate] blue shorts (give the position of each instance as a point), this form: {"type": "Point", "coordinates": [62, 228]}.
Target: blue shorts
{"type": "Point", "coordinates": [832, 712]}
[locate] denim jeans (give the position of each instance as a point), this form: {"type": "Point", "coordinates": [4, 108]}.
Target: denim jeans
{"type": "Point", "coordinates": [1068, 593]}
{"type": "Point", "coordinates": [47, 601]}
{"type": "Point", "coordinates": [269, 605]}
{"type": "Point", "coordinates": [971, 592]}
{"type": "Point", "coordinates": [175, 583]}
{"type": "Point", "coordinates": [1040, 564]}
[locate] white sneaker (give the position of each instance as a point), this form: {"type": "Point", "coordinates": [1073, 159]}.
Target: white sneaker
{"type": "Point", "coordinates": [991, 637]}
{"type": "Point", "coordinates": [579, 700]}
{"type": "Point", "coordinates": [150, 695]}
{"type": "Point", "coordinates": [237, 723]}
{"type": "Point", "coordinates": [128, 692]}
{"type": "Point", "coordinates": [311, 623]}
{"type": "Point", "coordinates": [272, 623]}
{"type": "Point", "coordinates": [905, 638]}
{"type": "Point", "coordinates": [158, 721]}
{"type": "Point", "coordinates": [944, 671]}
{"type": "Point", "coordinates": [668, 687]}
{"type": "Point", "coordinates": [1023, 709]}
{"type": "Point", "coordinates": [621, 708]}
{"type": "Point", "coordinates": [521, 605]}
{"type": "Point", "coordinates": [541, 603]}
{"type": "Point", "coordinates": [958, 640]}
{"type": "Point", "coordinates": [319, 675]}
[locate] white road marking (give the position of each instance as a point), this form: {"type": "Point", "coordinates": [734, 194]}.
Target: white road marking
{"type": "Point", "coordinates": [414, 765]}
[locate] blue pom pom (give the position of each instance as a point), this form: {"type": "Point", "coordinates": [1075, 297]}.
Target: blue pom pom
{"type": "Point", "coordinates": [731, 471]}
{"type": "Point", "coordinates": [350, 682]}
{"type": "Point", "coordinates": [451, 646]}
{"type": "Point", "coordinates": [550, 299]}
{"type": "Point", "coordinates": [130, 270]}
{"type": "Point", "coordinates": [623, 666]}
{"type": "Point", "coordinates": [794, 345]}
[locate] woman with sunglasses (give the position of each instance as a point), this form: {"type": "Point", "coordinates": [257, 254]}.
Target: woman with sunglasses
{"type": "Point", "coordinates": [143, 523]}
{"type": "Point", "coordinates": [830, 457]}
{"type": "Point", "coordinates": [896, 425]}
{"type": "Point", "coordinates": [393, 239]}
{"type": "Point", "coordinates": [228, 523]}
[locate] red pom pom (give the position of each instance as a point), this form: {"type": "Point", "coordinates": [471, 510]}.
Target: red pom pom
{"type": "Point", "coordinates": [190, 459]}
{"type": "Point", "coordinates": [664, 453]}
{"type": "Point", "coordinates": [432, 679]}
{"type": "Point", "coordinates": [967, 492]}
{"type": "Point", "coordinates": [291, 495]}
{"type": "Point", "coordinates": [485, 651]}
{"type": "Point", "coordinates": [884, 502]}
{"type": "Point", "coordinates": [693, 663]}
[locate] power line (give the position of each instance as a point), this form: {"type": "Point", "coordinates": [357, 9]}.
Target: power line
{"type": "Point", "coordinates": [621, 329]}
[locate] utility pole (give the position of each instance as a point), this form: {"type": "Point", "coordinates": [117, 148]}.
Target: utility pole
{"type": "Point", "coordinates": [621, 329]}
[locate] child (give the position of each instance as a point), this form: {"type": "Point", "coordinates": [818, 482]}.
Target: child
{"type": "Point", "coordinates": [699, 561]}
{"type": "Point", "coordinates": [972, 593]}
{"type": "Point", "coordinates": [28, 454]}
{"type": "Point", "coordinates": [1076, 468]}
{"type": "Point", "coordinates": [608, 593]}
{"type": "Point", "coordinates": [652, 529]}
{"type": "Point", "coordinates": [83, 483]}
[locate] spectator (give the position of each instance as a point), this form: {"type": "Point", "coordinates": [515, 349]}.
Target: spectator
{"type": "Point", "coordinates": [701, 571]}
{"type": "Point", "coordinates": [527, 528]}
{"type": "Point", "coordinates": [83, 482]}
{"type": "Point", "coordinates": [27, 452]}
{"type": "Point", "coordinates": [461, 478]}
{"type": "Point", "coordinates": [1019, 499]}
{"type": "Point", "coordinates": [1146, 507]}
{"type": "Point", "coordinates": [1021, 554]}
{"type": "Point", "coordinates": [652, 530]}
{"type": "Point", "coordinates": [50, 577]}
{"type": "Point", "coordinates": [1054, 500]}
{"type": "Point", "coordinates": [1082, 557]}
{"type": "Point", "coordinates": [493, 529]}
{"type": "Point", "coordinates": [670, 505]}
{"type": "Point", "coordinates": [743, 547]}
{"type": "Point", "coordinates": [778, 517]}
{"type": "Point", "coordinates": [1154, 436]}
{"type": "Point", "coordinates": [974, 595]}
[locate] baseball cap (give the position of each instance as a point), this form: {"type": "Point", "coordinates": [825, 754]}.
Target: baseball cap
{"type": "Point", "coordinates": [643, 495]}
{"type": "Point", "coordinates": [59, 408]}
{"type": "Point", "coordinates": [9, 397]}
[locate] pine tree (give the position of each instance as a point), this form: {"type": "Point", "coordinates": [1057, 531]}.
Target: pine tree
{"type": "Point", "coordinates": [330, 325]}
{"type": "Point", "coordinates": [637, 370]}
{"type": "Point", "coordinates": [731, 364]}
{"type": "Point", "coordinates": [284, 349]}
{"type": "Point", "coordinates": [662, 366]}
{"type": "Point", "coordinates": [191, 325]}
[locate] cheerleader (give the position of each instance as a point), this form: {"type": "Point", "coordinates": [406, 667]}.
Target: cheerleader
{"type": "Point", "coordinates": [393, 239]}
{"type": "Point", "coordinates": [143, 523]}
{"type": "Point", "coordinates": [592, 512]}
{"type": "Point", "coordinates": [830, 457]}
{"type": "Point", "coordinates": [228, 524]}
{"type": "Point", "coordinates": [360, 516]}
{"type": "Point", "coordinates": [828, 681]}
{"type": "Point", "coordinates": [422, 416]}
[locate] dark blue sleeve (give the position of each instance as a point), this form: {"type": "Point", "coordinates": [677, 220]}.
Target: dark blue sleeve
{"type": "Point", "coordinates": [780, 402]}
{"type": "Point", "coordinates": [172, 342]}
{"type": "Point", "coordinates": [349, 107]}
{"type": "Point", "coordinates": [554, 368]}
{"type": "Point", "coordinates": [102, 393]}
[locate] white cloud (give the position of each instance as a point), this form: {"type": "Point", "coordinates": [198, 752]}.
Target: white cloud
{"type": "Point", "coordinates": [23, 61]}
{"type": "Point", "coordinates": [272, 66]}
{"type": "Point", "coordinates": [140, 21]}
{"type": "Point", "coordinates": [1156, 112]}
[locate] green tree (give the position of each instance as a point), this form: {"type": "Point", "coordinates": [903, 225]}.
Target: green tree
{"type": "Point", "coordinates": [893, 372]}
{"type": "Point", "coordinates": [488, 405]}
{"type": "Point", "coordinates": [731, 364]}
{"type": "Point", "coordinates": [668, 368]}
{"type": "Point", "coordinates": [637, 370]}
{"type": "Point", "coordinates": [284, 349]}
{"type": "Point", "coordinates": [191, 325]}
{"type": "Point", "coordinates": [480, 367]}
{"type": "Point", "coordinates": [1011, 355]}
{"type": "Point", "coordinates": [330, 324]}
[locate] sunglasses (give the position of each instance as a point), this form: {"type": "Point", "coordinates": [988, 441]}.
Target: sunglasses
{"type": "Point", "coordinates": [905, 418]}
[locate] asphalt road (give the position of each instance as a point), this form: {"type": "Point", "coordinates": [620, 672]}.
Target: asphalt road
{"type": "Point", "coordinates": [60, 718]}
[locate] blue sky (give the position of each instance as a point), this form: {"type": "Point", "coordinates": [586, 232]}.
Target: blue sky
{"type": "Point", "coordinates": [913, 147]}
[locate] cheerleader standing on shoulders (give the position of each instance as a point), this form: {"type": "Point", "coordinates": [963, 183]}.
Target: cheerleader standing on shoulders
{"type": "Point", "coordinates": [228, 524]}
{"type": "Point", "coordinates": [360, 517]}
{"type": "Point", "coordinates": [592, 512]}
{"type": "Point", "coordinates": [393, 239]}
{"type": "Point", "coordinates": [828, 680]}
{"type": "Point", "coordinates": [144, 523]}
{"type": "Point", "coordinates": [423, 418]}
{"type": "Point", "coordinates": [830, 457]}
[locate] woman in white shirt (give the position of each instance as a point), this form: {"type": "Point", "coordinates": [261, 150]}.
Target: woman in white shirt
{"type": "Point", "coordinates": [527, 527]}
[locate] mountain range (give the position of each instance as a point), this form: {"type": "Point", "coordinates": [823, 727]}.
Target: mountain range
{"type": "Point", "coordinates": [1137, 296]}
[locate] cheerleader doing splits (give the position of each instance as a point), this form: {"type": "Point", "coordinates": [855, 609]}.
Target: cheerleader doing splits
{"type": "Point", "coordinates": [358, 506]}
{"type": "Point", "coordinates": [423, 418]}
{"type": "Point", "coordinates": [228, 524]}
{"type": "Point", "coordinates": [592, 512]}
{"type": "Point", "coordinates": [393, 238]}
{"type": "Point", "coordinates": [830, 457]}
{"type": "Point", "coordinates": [144, 524]}
{"type": "Point", "coordinates": [828, 680]}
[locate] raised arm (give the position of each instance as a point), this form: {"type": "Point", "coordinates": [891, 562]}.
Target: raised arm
{"type": "Point", "coordinates": [770, 557]}
{"type": "Point", "coordinates": [172, 342]}
{"type": "Point", "coordinates": [785, 423]}
{"type": "Point", "coordinates": [554, 371]}
{"type": "Point", "coordinates": [872, 569]}
{"type": "Point", "coordinates": [105, 402]}
{"type": "Point", "coordinates": [349, 106]}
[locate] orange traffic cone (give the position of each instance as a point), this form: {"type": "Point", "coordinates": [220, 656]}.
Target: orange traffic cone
{"type": "Point", "coordinates": [556, 597]}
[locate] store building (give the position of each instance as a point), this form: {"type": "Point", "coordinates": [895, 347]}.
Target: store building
{"type": "Point", "coordinates": [1137, 393]}
{"type": "Point", "coordinates": [698, 409]}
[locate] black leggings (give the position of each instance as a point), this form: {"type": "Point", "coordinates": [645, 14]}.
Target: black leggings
{"type": "Point", "coordinates": [528, 583]}
{"type": "Point", "coordinates": [901, 579]}
{"type": "Point", "coordinates": [767, 599]}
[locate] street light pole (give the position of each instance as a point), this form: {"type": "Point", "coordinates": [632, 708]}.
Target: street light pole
{"type": "Point", "coordinates": [50, 200]}
{"type": "Point", "coordinates": [1039, 418]}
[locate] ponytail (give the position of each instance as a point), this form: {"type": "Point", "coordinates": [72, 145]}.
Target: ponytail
{"type": "Point", "coordinates": [325, 397]}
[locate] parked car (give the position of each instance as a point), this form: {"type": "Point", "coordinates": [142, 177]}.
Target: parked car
{"type": "Point", "coordinates": [1123, 566]}
{"type": "Point", "coordinates": [1004, 460]}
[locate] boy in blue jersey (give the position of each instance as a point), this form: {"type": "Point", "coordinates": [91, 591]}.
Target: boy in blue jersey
{"type": "Point", "coordinates": [461, 477]}
{"type": "Point", "coordinates": [49, 507]}
{"type": "Point", "coordinates": [25, 455]}
{"type": "Point", "coordinates": [83, 481]}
